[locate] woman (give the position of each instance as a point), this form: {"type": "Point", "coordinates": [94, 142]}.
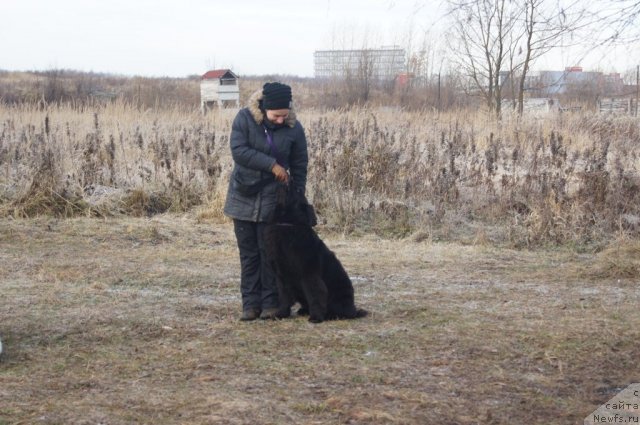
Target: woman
{"type": "Point", "coordinates": [268, 145]}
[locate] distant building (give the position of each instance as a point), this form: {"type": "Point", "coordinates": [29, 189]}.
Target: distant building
{"type": "Point", "coordinates": [575, 80]}
{"type": "Point", "coordinates": [404, 79]}
{"type": "Point", "coordinates": [382, 64]}
{"type": "Point", "coordinates": [219, 87]}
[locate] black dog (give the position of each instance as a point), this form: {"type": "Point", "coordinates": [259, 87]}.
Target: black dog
{"type": "Point", "coordinates": [306, 270]}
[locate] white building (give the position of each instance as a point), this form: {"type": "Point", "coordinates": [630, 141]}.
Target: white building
{"type": "Point", "coordinates": [382, 64]}
{"type": "Point", "coordinates": [219, 87]}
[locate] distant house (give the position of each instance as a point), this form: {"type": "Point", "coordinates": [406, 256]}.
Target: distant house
{"type": "Point", "coordinates": [219, 87]}
{"type": "Point", "coordinates": [574, 80]}
{"type": "Point", "coordinates": [404, 79]}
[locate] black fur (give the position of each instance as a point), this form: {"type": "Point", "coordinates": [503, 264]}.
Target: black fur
{"type": "Point", "coordinates": [306, 270]}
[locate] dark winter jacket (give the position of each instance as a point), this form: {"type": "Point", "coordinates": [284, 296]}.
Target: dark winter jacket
{"type": "Point", "coordinates": [251, 195]}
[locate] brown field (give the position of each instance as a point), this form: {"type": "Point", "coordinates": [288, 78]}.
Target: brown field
{"type": "Point", "coordinates": [499, 260]}
{"type": "Point", "coordinates": [134, 320]}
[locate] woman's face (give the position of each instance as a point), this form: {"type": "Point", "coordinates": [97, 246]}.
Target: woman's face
{"type": "Point", "coordinates": [277, 116]}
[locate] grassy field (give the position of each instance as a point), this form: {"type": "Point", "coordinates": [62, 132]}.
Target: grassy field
{"type": "Point", "coordinates": [499, 261]}
{"type": "Point", "coordinates": [135, 320]}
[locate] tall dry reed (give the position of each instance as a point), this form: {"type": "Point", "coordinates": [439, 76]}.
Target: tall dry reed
{"type": "Point", "coordinates": [556, 179]}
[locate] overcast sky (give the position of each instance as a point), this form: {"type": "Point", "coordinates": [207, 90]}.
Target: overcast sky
{"type": "Point", "coordinates": [179, 38]}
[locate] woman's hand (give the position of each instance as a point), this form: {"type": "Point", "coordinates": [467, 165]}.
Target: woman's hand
{"type": "Point", "coordinates": [281, 174]}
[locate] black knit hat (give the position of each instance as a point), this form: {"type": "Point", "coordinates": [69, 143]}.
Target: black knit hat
{"type": "Point", "coordinates": [276, 96]}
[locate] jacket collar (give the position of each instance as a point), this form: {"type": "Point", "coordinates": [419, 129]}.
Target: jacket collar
{"type": "Point", "coordinates": [258, 116]}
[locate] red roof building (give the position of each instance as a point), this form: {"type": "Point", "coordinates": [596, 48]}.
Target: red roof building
{"type": "Point", "coordinates": [219, 74]}
{"type": "Point", "coordinates": [219, 87]}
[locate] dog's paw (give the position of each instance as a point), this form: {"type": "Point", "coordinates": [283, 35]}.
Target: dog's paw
{"type": "Point", "coordinates": [361, 312]}
{"type": "Point", "coordinates": [315, 319]}
{"type": "Point", "coordinates": [283, 313]}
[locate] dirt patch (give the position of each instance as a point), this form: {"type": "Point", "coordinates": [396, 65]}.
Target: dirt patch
{"type": "Point", "coordinates": [135, 320]}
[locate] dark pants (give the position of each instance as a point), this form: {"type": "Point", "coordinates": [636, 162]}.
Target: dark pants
{"type": "Point", "coordinates": [257, 281]}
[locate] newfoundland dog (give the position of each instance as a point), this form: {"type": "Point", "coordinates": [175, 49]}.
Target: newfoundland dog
{"type": "Point", "coordinates": [306, 270]}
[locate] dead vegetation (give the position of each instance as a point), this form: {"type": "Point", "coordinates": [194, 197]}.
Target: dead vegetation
{"type": "Point", "coordinates": [134, 320]}
{"type": "Point", "coordinates": [563, 180]}
{"type": "Point", "coordinates": [120, 276]}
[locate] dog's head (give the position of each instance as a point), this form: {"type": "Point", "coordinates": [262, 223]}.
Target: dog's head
{"type": "Point", "coordinates": [292, 207]}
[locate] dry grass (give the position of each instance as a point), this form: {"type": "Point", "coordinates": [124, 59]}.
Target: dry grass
{"type": "Point", "coordinates": [568, 179]}
{"type": "Point", "coordinates": [134, 320]}
{"type": "Point", "coordinates": [619, 260]}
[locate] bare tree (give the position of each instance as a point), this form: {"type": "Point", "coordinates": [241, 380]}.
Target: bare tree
{"type": "Point", "coordinates": [354, 63]}
{"type": "Point", "coordinates": [546, 25]}
{"type": "Point", "coordinates": [484, 30]}
{"type": "Point", "coordinates": [359, 75]}
{"type": "Point", "coordinates": [500, 40]}
{"type": "Point", "coordinates": [620, 19]}
{"type": "Point", "coordinates": [53, 90]}
{"type": "Point", "coordinates": [420, 61]}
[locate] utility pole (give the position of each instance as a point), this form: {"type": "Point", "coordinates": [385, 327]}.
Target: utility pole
{"type": "Point", "coordinates": [637, 87]}
{"type": "Point", "coordinates": [439, 104]}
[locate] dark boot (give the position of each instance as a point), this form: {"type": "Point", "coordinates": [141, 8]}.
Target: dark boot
{"type": "Point", "coordinates": [250, 314]}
